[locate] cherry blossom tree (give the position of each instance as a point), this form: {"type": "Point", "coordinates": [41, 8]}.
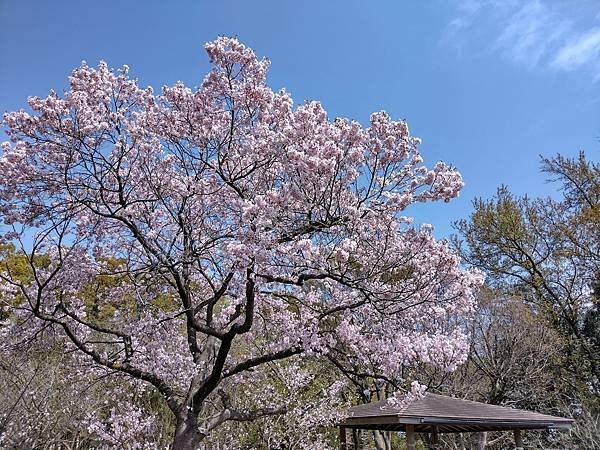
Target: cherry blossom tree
{"type": "Point", "coordinates": [239, 232]}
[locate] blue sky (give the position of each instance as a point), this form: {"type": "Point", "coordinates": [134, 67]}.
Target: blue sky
{"type": "Point", "coordinates": [487, 84]}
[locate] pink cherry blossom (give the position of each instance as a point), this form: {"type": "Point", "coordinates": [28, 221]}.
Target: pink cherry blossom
{"type": "Point", "coordinates": [238, 230]}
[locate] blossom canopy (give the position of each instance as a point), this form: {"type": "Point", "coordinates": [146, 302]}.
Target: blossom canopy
{"type": "Point", "coordinates": [240, 233]}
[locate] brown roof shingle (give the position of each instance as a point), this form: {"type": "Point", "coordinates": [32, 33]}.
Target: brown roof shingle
{"type": "Point", "coordinates": [449, 414]}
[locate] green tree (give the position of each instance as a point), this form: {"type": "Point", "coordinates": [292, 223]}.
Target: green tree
{"type": "Point", "coordinates": [548, 251]}
{"type": "Point", "coordinates": [544, 252]}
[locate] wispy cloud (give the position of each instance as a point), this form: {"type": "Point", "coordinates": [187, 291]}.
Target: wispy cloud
{"type": "Point", "coordinates": [581, 50]}
{"type": "Point", "coordinates": [554, 34]}
{"type": "Point", "coordinates": [530, 33]}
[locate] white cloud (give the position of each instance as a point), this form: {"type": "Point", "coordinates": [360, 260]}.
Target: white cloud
{"type": "Point", "coordinates": [560, 35]}
{"type": "Point", "coordinates": [530, 32]}
{"type": "Point", "coordinates": [579, 51]}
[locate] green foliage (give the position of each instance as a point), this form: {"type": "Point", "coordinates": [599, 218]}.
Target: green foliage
{"type": "Point", "coordinates": [545, 252]}
{"type": "Point", "coordinates": [20, 269]}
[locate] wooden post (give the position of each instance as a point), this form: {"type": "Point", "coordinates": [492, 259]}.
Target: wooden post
{"type": "Point", "coordinates": [343, 444]}
{"type": "Point", "coordinates": [435, 440]}
{"type": "Point", "coordinates": [518, 439]}
{"type": "Point", "coordinates": [411, 442]}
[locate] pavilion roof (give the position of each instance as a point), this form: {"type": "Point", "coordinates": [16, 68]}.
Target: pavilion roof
{"type": "Point", "coordinates": [447, 415]}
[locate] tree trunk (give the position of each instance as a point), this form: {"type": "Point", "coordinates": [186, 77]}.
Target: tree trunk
{"type": "Point", "coordinates": [461, 442]}
{"type": "Point", "coordinates": [482, 440]}
{"type": "Point", "coordinates": [382, 440]}
{"type": "Point", "coordinates": [187, 436]}
{"type": "Point", "coordinates": [356, 439]}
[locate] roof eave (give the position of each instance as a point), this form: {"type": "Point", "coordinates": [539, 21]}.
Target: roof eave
{"type": "Point", "coordinates": [398, 420]}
